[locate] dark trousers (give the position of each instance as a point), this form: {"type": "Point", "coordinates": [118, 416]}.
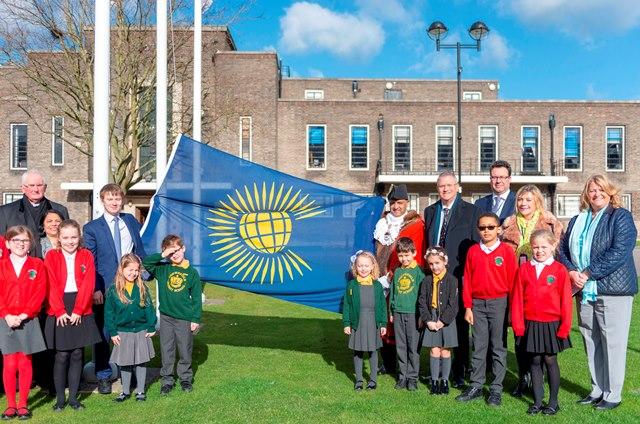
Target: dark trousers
{"type": "Point", "coordinates": [407, 339]}
{"type": "Point", "coordinates": [101, 352]}
{"type": "Point", "coordinates": [487, 330]}
{"type": "Point", "coordinates": [460, 362]}
{"type": "Point", "coordinates": [175, 332]}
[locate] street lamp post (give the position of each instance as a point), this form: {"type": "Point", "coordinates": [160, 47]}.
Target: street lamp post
{"type": "Point", "coordinates": [438, 31]}
{"type": "Point", "coordinates": [552, 165]}
{"type": "Point", "coordinates": [377, 187]}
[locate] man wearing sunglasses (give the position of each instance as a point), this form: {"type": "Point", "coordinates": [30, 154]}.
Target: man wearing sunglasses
{"type": "Point", "coordinates": [501, 201]}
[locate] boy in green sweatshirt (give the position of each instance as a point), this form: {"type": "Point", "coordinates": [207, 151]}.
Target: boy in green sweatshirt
{"type": "Point", "coordinates": [403, 303]}
{"type": "Point", "coordinates": [179, 291]}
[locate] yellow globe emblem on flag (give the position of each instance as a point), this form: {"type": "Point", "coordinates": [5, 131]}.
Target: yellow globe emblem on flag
{"type": "Point", "coordinates": [266, 232]}
{"type": "Point", "coordinates": [251, 231]}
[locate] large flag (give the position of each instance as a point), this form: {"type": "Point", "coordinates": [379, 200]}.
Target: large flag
{"type": "Point", "coordinates": [252, 228]}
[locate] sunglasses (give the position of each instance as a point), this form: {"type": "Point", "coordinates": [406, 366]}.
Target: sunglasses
{"type": "Point", "coordinates": [487, 227]}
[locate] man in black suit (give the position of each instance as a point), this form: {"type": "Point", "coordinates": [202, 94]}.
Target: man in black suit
{"type": "Point", "coordinates": [30, 209]}
{"type": "Point", "coordinates": [451, 223]}
{"type": "Point", "coordinates": [502, 201]}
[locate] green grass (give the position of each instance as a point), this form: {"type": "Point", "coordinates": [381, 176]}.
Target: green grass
{"type": "Point", "coordinates": [266, 361]}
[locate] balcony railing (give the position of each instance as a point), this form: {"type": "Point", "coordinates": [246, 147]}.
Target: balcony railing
{"type": "Point", "coordinates": [524, 167]}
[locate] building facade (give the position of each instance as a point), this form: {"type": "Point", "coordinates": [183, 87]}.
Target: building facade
{"type": "Point", "coordinates": [355, 134]}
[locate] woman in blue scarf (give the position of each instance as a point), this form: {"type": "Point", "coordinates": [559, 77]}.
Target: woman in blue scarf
{"type": "Point", "coordinates": [597, 249]}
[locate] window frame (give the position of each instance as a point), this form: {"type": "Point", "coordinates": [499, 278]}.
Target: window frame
{"type": "Point", "coordinates": [480, 145]}
{"type": "Point", "coordinates": [324, 167]}
{"type": "Point", "coordinates": [606, 146]}
{"type": "Point", "coordinates": [453, 146]}
{"type": "Point", "coordinates": [53, 141]}
{"type": "Point", "coordinates": [250, 137]}
{"type": "Point", "coordinates": [314, 91]}
{"type": "Point", "coordinates": [471, 94]}
{"type": "Point", "coordinates": [630, 202]}
{"type": "Point", "coordinates": [11, 152]}
{"type": "Point", "coordinates": [393, 145]}
{"type": "Point", "coordinates": [580, 147]}
{"type": "Point", "coordinates": [538, 147]}
{"type": "Point", "coordinates": [416, 199]}
{"type": "Point", "coordinates": [564, 195]}
{"type": "Point", "coordinates": [5, 195]}
{"type": "Point", "coordinates": [351, 168]}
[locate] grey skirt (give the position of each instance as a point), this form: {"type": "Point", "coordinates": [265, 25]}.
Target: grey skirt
{"type": "Point", "coordinates": [26, 339]}
{"type": "Point", "coordinates": [134, 349]}
{"type": "Point", "coordinates": [446, 337]}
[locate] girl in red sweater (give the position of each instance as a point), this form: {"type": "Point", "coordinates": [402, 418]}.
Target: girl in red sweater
{"type": "Point", "coordinates": [70, 324]}
{"type": "Point", "coordinates": [541, 316]}
{"type": "Point", "coordinates": [23, 284]}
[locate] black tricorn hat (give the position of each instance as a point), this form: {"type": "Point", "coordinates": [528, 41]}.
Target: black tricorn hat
{"type": "Point", "coordinates": [398, 192]}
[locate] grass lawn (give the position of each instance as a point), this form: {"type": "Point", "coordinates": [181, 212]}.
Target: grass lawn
{"type": "Point", "coordinates": [264, 360]}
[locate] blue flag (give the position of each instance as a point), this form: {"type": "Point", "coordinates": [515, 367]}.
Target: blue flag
{"type": "Point", "coordinates": [252, 228]}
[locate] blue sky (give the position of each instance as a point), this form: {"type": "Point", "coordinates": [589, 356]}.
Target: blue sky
{"type": "Point", "coordinates": [537, 49]}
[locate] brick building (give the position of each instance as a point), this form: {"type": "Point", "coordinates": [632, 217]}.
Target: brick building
{"type": "Point", "coordinates": [330, 130]}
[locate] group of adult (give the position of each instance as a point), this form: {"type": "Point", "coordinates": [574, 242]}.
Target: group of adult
{"type": "Point", "coordinates": [596, 248]}
{"type": "Point", "coordinates": [109, 237]}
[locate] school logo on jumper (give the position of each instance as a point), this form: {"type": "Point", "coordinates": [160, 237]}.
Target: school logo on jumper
{"type": "Point", "coordinates": [177, 281]}
{"type": "Point", "coordinates": [499, 261]}
{"type": "Point", "coordinates": [252, 228]}
{"type": "Point", "coordinates": [405, 284]}
{"type": "Point", "coordinates": [551, 279]}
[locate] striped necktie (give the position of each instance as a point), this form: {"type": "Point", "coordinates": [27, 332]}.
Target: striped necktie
{"type": "Point", "coordinates": [445, 224]}
{"type": "Point", "coordinates": [117, 241]}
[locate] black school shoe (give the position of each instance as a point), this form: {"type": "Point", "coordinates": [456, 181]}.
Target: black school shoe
{"type": "Point", "coordinates": [59, 407]}
{"type": "Point", "coordinates": [122, 397]}
{"type": "Point", "coordinates": [24, 414]}
{"type": "Point", "coordinates": [551, 410]}
{"type": "Point", "coordinates": [472, 393]}
{"type": "Point", "coordinates": [435, 387]}
{"type": "Point", "coordinates": [604, 405]}
{"type": "Point", "coordinates": [401, 384]}
{"type": "Point", "coordinates": [358, 386]}
{"type": "Point", "coordinates": [76, 406]}
{"type": "Point", "coordinates": [372, 385]}
{"type": "Point", "coordinates": [104, 386]}
{"type": "Point", "coordinates": [166, 389]}
{"type": "Point", "coordinates": [589, 400]}
{"type": "Point", "coordinates": [534, 409]}
{"type": "Point", "coordinates": [186, 386]}
{"type": "Point", "coordinates": [494, 399]}
{"type": "Point", "coordinates": [444, 387]}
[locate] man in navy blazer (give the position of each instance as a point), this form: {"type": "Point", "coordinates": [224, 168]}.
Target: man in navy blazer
{"type": "Point", "coordinates": [502, 201]}
{"type": "Point", "coordinates": [109, 237]}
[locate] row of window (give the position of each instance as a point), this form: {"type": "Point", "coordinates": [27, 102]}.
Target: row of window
{"type": "Point", "coordinates": [19, 142]}
{"type": "Point", "coordinates": [402, 136]}
{"type": "Point", "coordinates": [390, 94]}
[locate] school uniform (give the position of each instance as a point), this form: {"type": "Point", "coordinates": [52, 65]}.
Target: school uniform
{"type": "Point", "coordinates": [488, 278]}
{"type": "Point", "coordinates": [4, 252]}
{"type": "Point", "coordinates": [403, 303]}
{"type": "Point", "coordinates": [445, 309]}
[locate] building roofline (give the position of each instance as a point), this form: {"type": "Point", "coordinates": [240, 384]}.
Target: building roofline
{"type": "Point", "coordinates": [453, 101]}
{"type": "Point", "coordinates": [385, 79]}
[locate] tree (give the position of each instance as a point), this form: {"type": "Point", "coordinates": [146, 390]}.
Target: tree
{"type": "Point", "coordinates": [50, 45]}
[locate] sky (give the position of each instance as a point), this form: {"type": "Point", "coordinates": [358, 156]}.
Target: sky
{"type": "Point", "coordinates": [536, 49]}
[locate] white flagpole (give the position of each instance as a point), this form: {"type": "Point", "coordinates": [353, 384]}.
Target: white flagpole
{"type": "Point", "coordinates": [197, 70]}
{"type": "Point", "coordinates": [101, 72]}
{"type": "Point", "coordinates": [161, 89]}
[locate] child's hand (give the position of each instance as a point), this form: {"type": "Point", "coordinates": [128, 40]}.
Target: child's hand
{"type": "Point", "coordinates": [194, 326]}
{"type": "Point", "coordinates": [61, 321]}
{"type": "Point", "coordinates": [75, 319]}
{"type": "Point", "coordinates": [116, 340]}
{"type": "Point", "coordinates": [439, 325]}
{"type": "Point", "coordinates": [153, 333]}
{"type": "Point", "coordinates": [347, 330]}
{"type": "Point", "coordinates": [12, 320]}
{"type": "Point", "coordinates": [391, 318]}
{"type": "Point", "coordinates": [431, 326]}
{"type": "Point", "coordinates": [170, 251]}
{"type": "Point", "coordinates": [383, 331]}
{"type": "Point", "coordinates": [468, 316]}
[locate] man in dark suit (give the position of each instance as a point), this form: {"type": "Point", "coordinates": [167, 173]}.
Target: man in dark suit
{"type": "Point", "coordinates": [109, 237]}
{"type": "Point", "coordinates": [31, 209]}
{"type": "Point", "coordinates": [502, 201]}
{"type": "Point", "coordinates": [451, 223]}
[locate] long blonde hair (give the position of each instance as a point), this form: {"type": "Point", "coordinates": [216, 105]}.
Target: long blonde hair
{"type": "Point", "coordinates": [538, 198]}
{"type": "Point", "coordinates": [606, 185]}
{"type": "Point", "coordinates": [120, 282]}
{"type": "Point", "coordinates": [375, 272]}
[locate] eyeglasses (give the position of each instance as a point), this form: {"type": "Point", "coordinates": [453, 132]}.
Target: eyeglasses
{"type": "Point", "coordinates": [32, 186]}
{"type": "Point", "coordinates": [500, 178]}
{"type": "Point", "coordinates": [487, 227]}
{"type": "Point", "coordinates": [20, 241]}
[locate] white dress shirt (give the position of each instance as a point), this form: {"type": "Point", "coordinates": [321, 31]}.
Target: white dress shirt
{"type": "Point", "coordinates": [503, 200]}
{"type": "Point", "coordinates": [540, 265]}
{"type": "Point", "coordinates": [126, 241]}
{"type": "Point", "coordinates": [70, 259]}
{"type": "Point", "coordinates": [486, 249]}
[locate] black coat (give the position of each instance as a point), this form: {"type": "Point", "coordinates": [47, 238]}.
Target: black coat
{"type": "Point", "coordinates": [447, 299]}
{"type": "Point", "coordinates": [462, 233]}
{"type": "Point", "coordinates": [509, 208]}
{"type": "Point", "coordinates": [15, 213]}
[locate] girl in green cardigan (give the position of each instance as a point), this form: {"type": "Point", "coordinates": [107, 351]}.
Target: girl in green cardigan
{"type": "Point", "coordinates": [130, 319]}
{"type": "Point", "coordinates": [364, 315]}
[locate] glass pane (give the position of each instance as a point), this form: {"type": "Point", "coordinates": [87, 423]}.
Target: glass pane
{"type": "Point", "coordinates": [358, 147]}
{"type": "Point", "coordinates": [316, 147]}
{"type": "Point", "coordinates": [530, 149]}
{"type": "Point", "coordinates": [58, 122]}
{"type": "Point", "coordinates": [487, 147]}
{"type": "Point", "coordinates": [568, 206]}
{"type": "Point", "coordinates": [445, 147]}
{"type": "Point", "coordinates": [615, 146]}
{"type": "Point", "coordinates": [245, 134]}
{"type": "Point", "coordinates": [572, 140]}
{"type": "Point", "coordinates": [19, 141]}
{"type": "Point", "coordinates": [402, 148]}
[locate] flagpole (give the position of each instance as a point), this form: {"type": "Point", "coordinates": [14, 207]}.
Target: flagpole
{"type": "Point", "coordinates": [197, 70]}
{"type": "Point", "coordinates": [101, 73]}
{"type": "Point", "coordinates": [161, 88]}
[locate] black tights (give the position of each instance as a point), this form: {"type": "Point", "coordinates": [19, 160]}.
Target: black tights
{"type": "Point", "coordinates": [553, 376]}
{"type": "Point", "coordinates": [67, 367]}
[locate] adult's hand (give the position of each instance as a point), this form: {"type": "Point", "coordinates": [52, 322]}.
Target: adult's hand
{"type": "Point", "coordinates": [578, 278]}
{"type": "Point", "coordinates": [98, 298]}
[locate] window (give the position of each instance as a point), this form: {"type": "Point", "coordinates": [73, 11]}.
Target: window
{"type": "Point", "coordinates": [626, 201]}
{"type": "Point", "coordinates": [414, 202]}
{"type": "Point", "coordinates": [359, 147]}
{"type": "Point", "coordinates": [488, 146]}
{"type": "Point", "coordinates": [573, 148]}
{"type": "Point", "coordinates": [18, 146]}
{"type": "Point", "coordinates": [476, 196]}
{"type": "Point", "coordinates": [472, 95]}
{"type": "Point", "coordinates": [433, 198]}
{"type": "Point", "coordinates": [567, 205]}
{"type": "Point", "coordinates": [391, 94]}
{"type": "Point", "coordinates": [402, 147]}
{"type": "Point", "coordinates": [530, 149]}
{"type": "Point", "coordinates": [10, 197]}
{"type": "Point", "coordinates": [245, 137]}
{"type": "Point", "coordinates": [316, 147]}
{"type": "Point", "coordinates": [615, 148]}
{"type": "Point", "coordinates": [350, 209]}
{"type": "Point", "coordinates": [444, 147]}
{"type": "Point", "coordinates": [57, 145]}
{"type": "Point", "coordinates": [314, 94]}
{"type": "Point", "coordinates": [147, 128]}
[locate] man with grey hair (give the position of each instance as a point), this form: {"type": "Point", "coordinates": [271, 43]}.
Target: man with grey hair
{"type": "Point", "coordinates": [31, 209]}
{"type": "Point", "coordinates": [451, 223]}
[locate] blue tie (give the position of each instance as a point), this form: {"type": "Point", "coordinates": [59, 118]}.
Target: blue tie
{"type": "Point", "coordinates": [116, 237]}
{"type": "Point", "coordinates": [497, 202]}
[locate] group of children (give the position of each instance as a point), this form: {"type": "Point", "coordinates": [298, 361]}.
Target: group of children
{"type": "Point", "coordinates": [65, 282]}
{"type": "Point", "coordinates": [536, 296]}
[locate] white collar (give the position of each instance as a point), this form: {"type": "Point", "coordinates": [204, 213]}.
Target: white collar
{"type": "Point", "coordinates": [548, 262]}
{"type": "Point", "coordinates": [395, 220]}
{"type": "Point", "coordinates": [503, 196]}
{"type": "Point", "coordinates": [487, 249]}
{"type": "Point", "coordinates": [109, 218]}
{"type": "Point", "coordinates": [68, 256]}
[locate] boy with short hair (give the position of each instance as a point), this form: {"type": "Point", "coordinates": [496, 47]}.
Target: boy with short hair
{"type": "Point", "coordinates": [179, 291]}
{"type": "Point", "coordinates": [404, 303]}
{"type": "Point", "coordinates": [488, 277]}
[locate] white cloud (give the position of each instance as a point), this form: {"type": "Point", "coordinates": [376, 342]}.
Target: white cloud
{"type": "Point", "coordinates": [592, 93]}
{"type": "Point", "coordinates": [309, 27]}
{"type": "Point", "coordinates": [315, 73]}
{"type": "Point", "coordinates": [495, 51]}
{"type": "Point", "coordinates": [584, 19]}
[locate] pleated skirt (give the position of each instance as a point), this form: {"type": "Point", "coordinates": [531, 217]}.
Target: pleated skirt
{"type": "Point", "coordinates": [70, 337]}
{"type": "Point", "coordinates": [134, 349]}
{"type": "Point", "coordinates": [27, 338]}
{"type": "Point", "coordinates": [540, 337]}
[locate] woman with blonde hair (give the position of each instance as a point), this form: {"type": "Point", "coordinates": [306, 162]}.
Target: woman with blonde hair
{"type": "Point", "coordinates": [516, 232]}
{"type": "Point", "coordinates": [598, 252]}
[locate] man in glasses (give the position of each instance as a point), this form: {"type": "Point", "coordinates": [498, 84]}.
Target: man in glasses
{"type": "Point", "coordinates": [502, 201]}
